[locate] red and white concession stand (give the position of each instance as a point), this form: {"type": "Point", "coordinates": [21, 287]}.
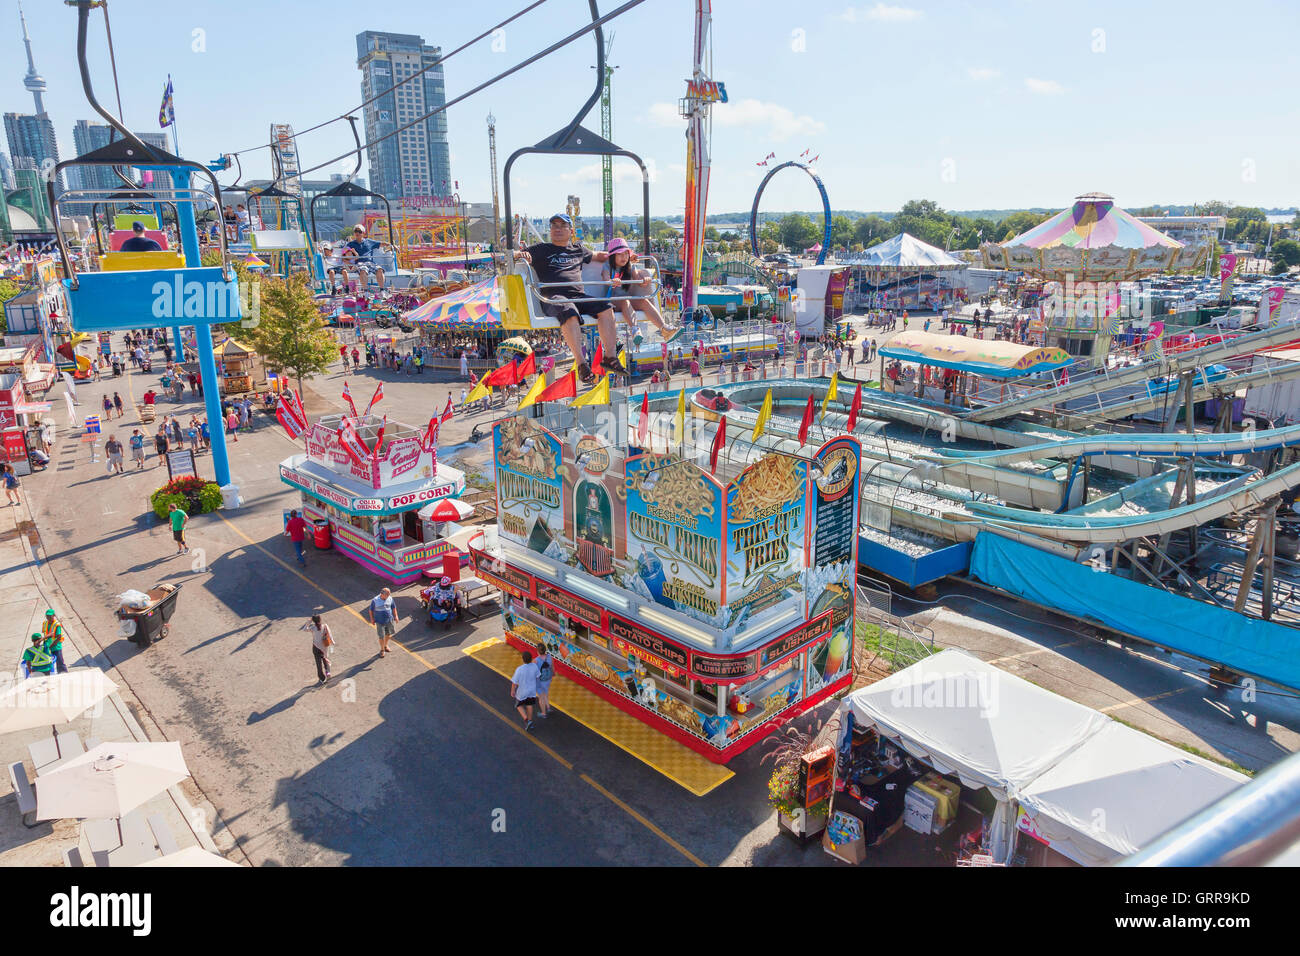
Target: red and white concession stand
{"type": "Point", "coordinates": [371, 505]}
{"type": "Point", "coordinates": [713, 606]}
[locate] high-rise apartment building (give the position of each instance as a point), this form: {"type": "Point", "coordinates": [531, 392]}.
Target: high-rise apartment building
{"type": "Point", "coordinates": [88, 137]}
{"type": "Point", "coordinates": [417, 161]}
{"type": "Point", "coordinates": [32, 138]}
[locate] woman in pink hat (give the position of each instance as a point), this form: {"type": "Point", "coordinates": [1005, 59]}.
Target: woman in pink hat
{"type": "Point", "coordinates": [626, 282]}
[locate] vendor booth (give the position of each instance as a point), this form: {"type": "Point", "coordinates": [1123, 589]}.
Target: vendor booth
{"type": "Point", "coordinates": [370, 509]}
{"type": "Point", "coordinates": [238, 372]}
{"type": "Point", "coordinates": [951, 726]}
{"type": "Point", "coordinates": [711, 605]}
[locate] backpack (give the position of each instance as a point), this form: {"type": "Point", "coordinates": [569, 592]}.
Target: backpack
{"type": "Point", "coordinates": [544, 671]}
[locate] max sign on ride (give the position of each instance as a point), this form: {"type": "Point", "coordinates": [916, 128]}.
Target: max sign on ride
{"type": "Point", "coordinates": [178, 299]}
{"type": "Point", "coordinates": [76, 909]}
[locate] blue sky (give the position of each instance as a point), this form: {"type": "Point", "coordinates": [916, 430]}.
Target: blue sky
{"type": "Point", "coordinates": [975, 105]}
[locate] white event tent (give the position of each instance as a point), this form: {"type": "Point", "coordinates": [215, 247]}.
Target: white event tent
{"type": "Point", "coordinates": [1060, 761]}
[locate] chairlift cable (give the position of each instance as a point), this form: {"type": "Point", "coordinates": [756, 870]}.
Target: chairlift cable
{"type": "Point", "coordinates": [577, 34]}
{"type": "Point", "coordinates": [438, 62]}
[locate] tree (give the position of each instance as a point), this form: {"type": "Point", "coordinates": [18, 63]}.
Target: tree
{"type": "Point", "coordinates": [1214, 207]}
{"type": "Point", "coordinates": [841, 231]}
{"type": "Point", "coordinates": [1286, 252]}
{"type": "Point", "coordinates": [291, 336]}
{"type": "Point", "coordinates": [711, 234]}
{"type": "Point", "coordinates": [770, 233]}
{"type": "Point", "coordinates": [871, 229]}
{"type": "Point", "coordinates": [798, 232]}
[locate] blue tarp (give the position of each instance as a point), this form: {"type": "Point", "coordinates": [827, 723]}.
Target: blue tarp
{"type": "Point", "coordinates": [1246, 645]}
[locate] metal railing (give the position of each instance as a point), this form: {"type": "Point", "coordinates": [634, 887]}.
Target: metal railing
{"type": "Point", "coordinates": [534, 287]}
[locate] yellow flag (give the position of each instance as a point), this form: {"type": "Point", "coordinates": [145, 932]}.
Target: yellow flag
{"type": "Point", "coordinates": [597, 396]}
{"type": "Point", "coordinates": [831, 392]}
{"type": "Point", "coordinates": [764, 414]}
{"type": "Point", "coordinates": [680, 422]}
{"type": "Point", "coordinates": [479, 391]}
{"type": "Point", "coordinates": [539, 386]}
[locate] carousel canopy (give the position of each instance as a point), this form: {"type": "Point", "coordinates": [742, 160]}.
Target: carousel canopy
{"type": "Point", "coordinates": [473, 308]}
{"type": "Point", "coordinates": [1092, 240]}
{"type": "Point", "coordinates": [905, 251]}
{"type": "Point", "coordinates": [965, 354]}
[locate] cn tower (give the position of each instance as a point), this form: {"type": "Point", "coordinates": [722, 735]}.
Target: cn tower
{"type": "Point", "coordinates": [34, 82]}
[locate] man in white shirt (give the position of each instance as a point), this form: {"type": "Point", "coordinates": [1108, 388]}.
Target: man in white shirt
{"type": "Point", "coordinates": [523, 689]}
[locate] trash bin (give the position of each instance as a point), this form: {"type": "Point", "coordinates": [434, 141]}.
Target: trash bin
{"type": "Point", "coordinates": [451, 565]}
{"type": "Point", "coordinates": [230, 497]}
{"type": "Point", "coordinates": [321, 533]}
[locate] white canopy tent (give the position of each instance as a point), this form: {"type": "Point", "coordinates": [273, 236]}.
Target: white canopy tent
{"type": "Point", "coordinates": [1118, 791]}
{"type": "Point", "coordinates": [907, 271]}
{"type": "Point", "coordinates": [1059, 759]}
{"type": "Point", "coordinates": [905, 251]}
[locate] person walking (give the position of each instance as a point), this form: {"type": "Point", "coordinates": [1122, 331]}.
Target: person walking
{"type": "Point", "coordinates": [523, 689]}
{"type": "Point", "coordinates": [232, 423]}
{"type": "Point", "coordinates": [545, 665]}
{"type": "Point", "coordinates": [137, 448]}
{"type": "Point", "coordinates": [174, 433]}
{"type": "Point", "coordinates": [160, 444]}
{"type": "Point", "coordinates": [108, 408]}
{"type": "Point", "coordinates": [383, 615]}
{"type": "Point", "coordinates": [205, 434]}
{"type": "Point", "coordinates": [192, 435]}
{"type": "Point", "coordinates": [11, 485]}
{"type": "Point", "coordinates": [114, 449]}
{"type": "Point", "coordinates": [296, 529]}
{"type": "Point", "coordinates": [322, 644]}
{"type": "Point", "coordinates": [179, 520]}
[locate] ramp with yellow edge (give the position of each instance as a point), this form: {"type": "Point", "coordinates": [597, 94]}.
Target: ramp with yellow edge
{"type": "Point", "coordinates": [677, 762]}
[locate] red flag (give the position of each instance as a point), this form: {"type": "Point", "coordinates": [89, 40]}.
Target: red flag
{"type": "Point", "coordinates": [351, 443]}
{"type": "Point", "coordinates": [855, 408]}
{"type": "Point", "coordinates": [643, 427]}
{"type": "Point", "coordinates": [719, 439]}
{"type": "Point", "coordinates": [566, 387]}
{"type": "Point", "coordinates": [429, 440]}
{"type": "Point", "coordinates": [505, 375]}
{"type": "Point", "coordinates": [527, 367]}
{"type": "Point", "coordinates": [377, 397]}
{"type": "Point", "coordinates": [347, 396]}
{"type": "Point", "coordinates": [379, 439]}
{"type": "Point", "coordinates": [599, 356]}
{"type": "Point", "coordinates": [447, 412]}
{"type": "Point", "coordinates": [284, 412]}
{"type": "Point", "coordinates": [807, 421]}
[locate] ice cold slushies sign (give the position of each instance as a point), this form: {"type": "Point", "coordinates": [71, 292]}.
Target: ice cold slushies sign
{"type": "Point", "coordinates": [674, 532]}
{"type": "Point", "coordinates": [530, 491]}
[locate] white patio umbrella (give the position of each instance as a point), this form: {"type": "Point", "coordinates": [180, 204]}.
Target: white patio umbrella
{"type": "Point", "coordinates": [53, 699]}
{"type": "Point", "coordinates": [109, 781]}
{"type": "Point", "coordinates": [190, 856]}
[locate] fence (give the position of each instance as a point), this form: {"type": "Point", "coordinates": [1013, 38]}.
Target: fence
{"type": "Point", "coordinates": [902, 643]}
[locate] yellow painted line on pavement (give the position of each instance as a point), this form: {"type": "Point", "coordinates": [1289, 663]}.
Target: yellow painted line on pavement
{"type": "Point", "coordinates": [474, 697]}
{"type": "Point", "coordinates": [1040, 650]}
{"type": "Point", "coordinates": [645, 823]}
{"type": "Point", "coordinates": [1143, 700]}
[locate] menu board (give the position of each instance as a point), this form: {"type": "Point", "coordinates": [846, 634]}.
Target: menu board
{"type": "Point", "coordinates": [835, 510]}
